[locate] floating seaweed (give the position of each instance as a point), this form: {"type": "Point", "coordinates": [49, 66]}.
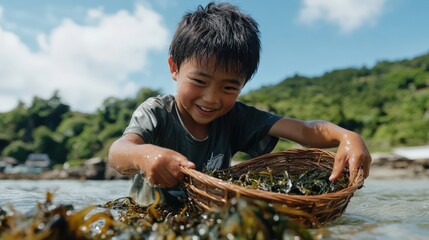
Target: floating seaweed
{"type": "Point", "coordinates": [311, 182]}
{"type": "Point", "coordinates": [123, 218]}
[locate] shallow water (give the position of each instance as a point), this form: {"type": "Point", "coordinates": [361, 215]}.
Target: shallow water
{"type": "Point", "coordinates": [382, 209]}
{"type": "Point", "coordinates": [385, 209]}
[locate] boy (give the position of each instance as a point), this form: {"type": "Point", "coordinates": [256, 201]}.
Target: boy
{"type": "Point", "coordinates": [214, 52]}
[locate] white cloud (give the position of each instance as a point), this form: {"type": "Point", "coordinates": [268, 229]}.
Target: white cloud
{"type": "Point", "coordinates": [86, 63]}
{"type": "Point", "coordinates": [349, 15]}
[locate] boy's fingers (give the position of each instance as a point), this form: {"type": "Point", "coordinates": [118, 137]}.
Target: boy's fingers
{"type": "Point", "coordinates": [365, 165]}
{"type": "Point", "coordinates": [170, 180]}
{"type": "Point", "coordinates": [337, 169]}
{"type": "Point", "coordinates": [186, 163]}
{"type": "Point", "coordinates": [366, 170]}
{"type": "Point", "coordinates": [354, 165]}
{"type": "Point", "coordinates": [360, 162]}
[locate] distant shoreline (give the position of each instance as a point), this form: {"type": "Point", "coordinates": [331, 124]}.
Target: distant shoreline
{"type": "Point", "coordinates": [385, 172]}
{"type": "Point", "coordinates": [381, 168]}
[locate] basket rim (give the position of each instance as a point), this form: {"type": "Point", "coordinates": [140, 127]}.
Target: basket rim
{"type": "Point", "coordinates": [356, 183]}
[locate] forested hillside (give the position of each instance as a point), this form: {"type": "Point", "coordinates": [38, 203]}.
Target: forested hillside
{"type": "Point", "coordinates": [388, 104]}
{"type": "Point", "coordinates": [48, 126]}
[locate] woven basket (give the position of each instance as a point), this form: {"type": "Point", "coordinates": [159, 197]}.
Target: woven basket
{"type": "Point", "coordinates": [209, 193]}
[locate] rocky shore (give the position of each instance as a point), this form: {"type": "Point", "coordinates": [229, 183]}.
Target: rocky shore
{"type": "Point", "coordinates": [387, 166]}
{"type": "Point", "coordinates": [93, 169]}
{"type": "Point", "coordinates": [384, 166]}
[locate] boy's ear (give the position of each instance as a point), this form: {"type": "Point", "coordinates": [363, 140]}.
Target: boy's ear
{"type": "Point", "coordinates": [173, 68]}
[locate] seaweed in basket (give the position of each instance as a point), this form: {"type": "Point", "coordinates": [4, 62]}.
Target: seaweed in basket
{"type": "Point", "coordinates": [312, 182]}
{"type": "Point", "coordinates": [316, 182]}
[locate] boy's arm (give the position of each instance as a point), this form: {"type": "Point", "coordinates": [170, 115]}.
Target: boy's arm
{"type": "Point", "coordinates": [161, 166]}
{"type": "Point", "coordinates": [321, 134]}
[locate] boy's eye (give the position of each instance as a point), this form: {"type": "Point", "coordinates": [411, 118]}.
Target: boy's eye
{"type": "Point", "coordinates": [231, 89]}
{"type": "Point", "coordinates": [199, 82]}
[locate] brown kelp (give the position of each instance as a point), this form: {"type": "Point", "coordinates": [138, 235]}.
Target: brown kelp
{"type": "Point", "coordinates": [123, 218]}
{"type": "Point", "coordinates": [50, 221]}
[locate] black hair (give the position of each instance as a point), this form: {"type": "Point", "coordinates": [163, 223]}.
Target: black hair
{"type": "Point", "coordinates": [220, 31]}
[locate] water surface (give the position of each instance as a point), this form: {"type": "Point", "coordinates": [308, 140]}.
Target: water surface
{"type": "Point", "coordinates": [385, 209]}
{"type": "Point", "coordinates": [382, 209]}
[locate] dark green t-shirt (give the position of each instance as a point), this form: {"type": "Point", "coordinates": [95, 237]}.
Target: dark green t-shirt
{"type": "Point", "coordinates": [244, 129]}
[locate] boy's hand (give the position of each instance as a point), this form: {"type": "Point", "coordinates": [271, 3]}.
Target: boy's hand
{"type": "Point", "coordinates": [351, 151]}
{"type": "Point", "coordinates": [161, 166]}
{"type": "Point", "coordinates": [321, 134]}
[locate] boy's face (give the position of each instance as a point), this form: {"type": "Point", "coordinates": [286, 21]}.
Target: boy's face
{"type": "Point", "coordinates": [204, 92]}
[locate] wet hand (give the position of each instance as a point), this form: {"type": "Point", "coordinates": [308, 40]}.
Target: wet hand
{"type": "Point", "coordinates": [352, 152]}
{"type": "Point", "coordinates": [161, 167]}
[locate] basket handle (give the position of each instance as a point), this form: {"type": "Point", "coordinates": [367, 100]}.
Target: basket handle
{"type": "Point", "coordinates": [185, 170]}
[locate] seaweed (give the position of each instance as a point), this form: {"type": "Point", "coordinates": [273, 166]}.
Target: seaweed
{"type": "Point", "coordinates": [123, 218]}
{"type": "Point", "coordinates": [312, 182]}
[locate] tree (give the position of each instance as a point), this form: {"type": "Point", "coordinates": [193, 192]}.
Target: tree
{"type": "Point", "coordinates": [46, 141]}
{"type": "Point", "coordinates": [18, 150]}
{"type": "Point", "coordinates": [47, 113]}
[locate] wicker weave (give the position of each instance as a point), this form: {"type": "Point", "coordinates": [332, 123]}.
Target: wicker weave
{"type": "Point", "coordinates": [209, 193]}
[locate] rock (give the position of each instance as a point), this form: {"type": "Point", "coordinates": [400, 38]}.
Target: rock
{"type": "Point", "coordinates": [385, 166]}
{"type": "Point", "coordinates": [55, 174]}
{"type": "Point", "coordinates": [95, 168]}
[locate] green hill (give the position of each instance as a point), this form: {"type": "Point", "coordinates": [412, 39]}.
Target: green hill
{"type": "Point", "coordinates": [387, 104]}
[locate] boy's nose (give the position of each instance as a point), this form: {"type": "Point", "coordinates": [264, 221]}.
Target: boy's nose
{"type": "Point", "coordinates": [211, 95]}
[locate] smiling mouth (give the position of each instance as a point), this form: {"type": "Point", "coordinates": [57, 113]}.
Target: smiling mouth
{"type": "Point", "coordinates": [206, 109]}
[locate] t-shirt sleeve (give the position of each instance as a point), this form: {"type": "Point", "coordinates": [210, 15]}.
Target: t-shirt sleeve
{"type": "Point", "coordinates": [147, 120]}
{"type": "Point", "coordinates": [250, 131]}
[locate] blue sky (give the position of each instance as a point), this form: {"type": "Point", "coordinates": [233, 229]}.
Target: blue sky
{"type": "Point", "coordinates": [91, 50]}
